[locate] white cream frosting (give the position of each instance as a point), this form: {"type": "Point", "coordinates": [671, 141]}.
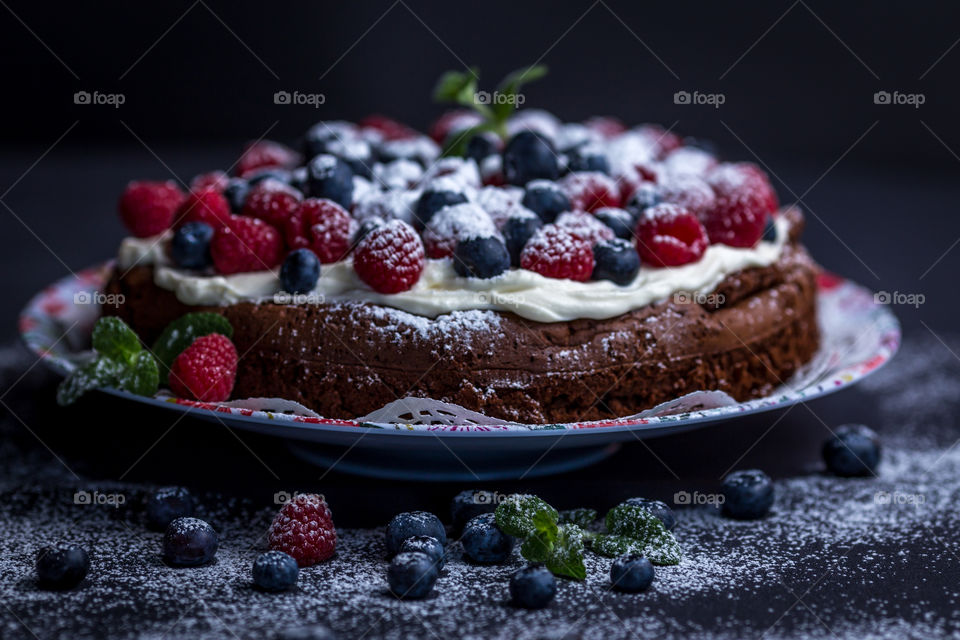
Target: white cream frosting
{"type": "Point", "coordinates": [440, 290]}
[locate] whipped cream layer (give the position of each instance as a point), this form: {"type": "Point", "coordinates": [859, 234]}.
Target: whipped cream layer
{"type": "Point", "coordinates": [440, 290]}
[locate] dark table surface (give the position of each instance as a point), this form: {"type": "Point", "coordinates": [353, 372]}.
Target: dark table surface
{"type": "Point", "coordinates": [836, 558]}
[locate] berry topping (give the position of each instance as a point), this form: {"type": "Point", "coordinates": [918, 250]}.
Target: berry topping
{"type": "Point", "coordinates": [606, 126]}
{"type": "Point", "coordinates": [747, 495]}
{"type": "Point", "coordinates": [481, 146]}
{"type": "Point", "coordinates": [431, 201]}
{"type": "Point", "coordinates": [148, 208]}
{"type": "Point", "coordinates": [555, 252]}
{"type": "Point", "coordinates": [546, 199]}
{"type": "Point", "coordinates": [454, 224]}
{"type": "Point", "coordinates": [166, 505]}
{"type": "Point", "coordinates": [647, 194]}
{"type": "Point", "coordinates": [690, 192]}
{"type": "Point", "coordinates": [413, 523]}
{"type": "Point", "coordinates": [517, 231]}
{"type": "Point", "coordinates": [533, 587]}
{"type": "Point", "coordinates": [657, 509]}
{"type": "Point", "coordinates": [453, 121]}
{"type": "Point", "coordinates": [236, 193]}
{"type": "Point", "coordinates": [389, 128]}
{"type": "Point", "coordinates": [688, 161]}
{"type": "Point", "coordinates": [245, 244]}
{"type": "Point", "coordinates": [206, 205]}
{"type": "Point", "coordinates": [206, 370]}
{"type": "Point", "coordinates": [428, 545]}
{"type": "Point", "coordinates": [391, 258]}
{"type": "Point", "coordinates": [272, 201]}
{"type": "Point", "coordinates": [585, 226]}
{"type": "Point", "coordinates": [263, 154]}
{"type": "Point", "coordinates": [61, 568]}
{"type": "Point", "coordinates": [668, 236]}
{"type": "Point", "coordinates": [190, 247]}
{"type": "Point", "coordinates": [483, 541]}
{"type": "Point", "coordinates": [587, 158]}
{"type": "Point", "coordinates": [621, 221]}
{"type": "Point", "coordinates": [590, 190]}
{"type": "Point", "coordinates": [744, 199]}
{"type": "Point", "coordinates": [631, 573]}
{"type": "Point", "coordinates": [275, 571]}
{"type": "Point", "coordinates": [365, 228]}
{"type": "Point", "coordinates": [189, 542]}
{"type": "Point", "coordinates": [300, 271]}
{"type": "Point", "coordinates": [331, 178]}
{"type": "Point", "coordinates": [411, 575]}
{"type": "Point", "coordinates": [616, 260]}
{"type": "Point", "coordinates": [529, 156]}
{"type": "Point", "coordinates": [481, 257]}
{"type": "Point", "coordinates": [329, 228]}
{"type": "Point", "coordinates": [853, 451]}
{"type": "Point", "coordinates": [304, 529]}
{"type": "Point", "coordinates": [211, 180]}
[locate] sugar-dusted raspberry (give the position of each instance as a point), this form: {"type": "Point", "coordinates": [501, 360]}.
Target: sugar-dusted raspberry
{"type": "Point", "coordinates": [213, 179]}
{"type": "Point", "coordinates": [206, 370]}
{"type": "Point", "coordinates": [272, 201]}
{"type": "Point", "coordinates": [245, 244]}
{"type": "Point", "coordinates": [263, 154]}
{"type": "Point", "coordinates": [329, 228]}
{"type": "Point", "coordinates": [390, 258]}
{"type": "Point", "coordinates": [453, 121]}
{"type": "Point", "coordinates": [662, 140]}
{"type": "Point", "coordinates": [744, 199]}
{"type": "Point", "coordinates": [453, 224]}
{"type": "Point", "coordinates": [606, 126]}
{"type": "Point", "coordinates": [555, 252]}
{"type": "Point", "coordinates": [204, 205]}
{"type": "Point", "coordinates": [304, 529]}
{"type": "Point", "coordinates": [585, 226]}
{"type": "Point", "coordinates": [148, 208]}
{"type": "Point", "coordinates": [688, 161]}
{"type": "Point", "coordinates": [590, 190]}
{"type": "Point", "coordinates": [500, 202]}
{"type": "Point", "coordinates": [732, 173]}
{"type": "Point", "coordinates": [389, 128]}
{"type": "Point", "coordinates": [690, 192]}
{"type": "Point", "coordinates": [669, 235]}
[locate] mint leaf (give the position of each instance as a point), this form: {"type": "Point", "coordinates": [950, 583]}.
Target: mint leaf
{"type": "Point", "coordinates": [509, 88]}
{"type": "Point", "coordinates": [664, 549]}
{"type": "Point", "coordinates": [180, 334]}
{"type": "Point", "coordinates": [567, 556]}
{"type": "Point", "coordinates": [633, 521]}
{"type": "Point", "coordinates": [583, 518]}
{"type": "Point", "coordinates": [613, 546]}
{"type": "Point", "coordinates": [539, 545]}
{"type": "Point", "coordinates": [661, 550]}
{"type": "Point", "coordinates": [115, 340]}
{"type": "Point", "coordinates": [457, 86]}
{"type": "Point", "coordinates": [142, 377]}
{"type": "Point", "coordinates": [515, 515]}
{"type": "Point", "coordinates": [100, 372]}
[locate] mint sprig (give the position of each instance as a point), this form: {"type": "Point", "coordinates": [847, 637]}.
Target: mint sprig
{"type": "Point", "coordinates": [633, 529]}
{"type": "Point", "coordinates": [559, 546]}
{"type": "Point", "coordinates": [180, 334]}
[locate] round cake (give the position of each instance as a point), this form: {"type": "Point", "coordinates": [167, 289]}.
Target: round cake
{"type": "Point", "coordinates": [562, 272]}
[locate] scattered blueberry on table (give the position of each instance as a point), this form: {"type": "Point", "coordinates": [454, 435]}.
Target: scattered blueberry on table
{"type": "Point", "coordinates": [631, 573]}
{"type": "Point", "coordinates": [166, 505]}
{"type": "Point", "coordinates": [854, 450]}
{"type": "Point", "coordinates": [533, 587]}
{"type": "Point", "coordinates": [657, 509]}
{"type": "Point", "coordinates": [747, 495]}
{"type": "Point", "coordinates": [61, 568]}
{"type": "Point", "coordinates": [275, 571]}
{"type": "Point", "coordinates": [410, 524]}
{"type": "Point", "coordinates": [483, 541]}
{"type": "Point", "coordinates": [411, 575]}
{"type": "Point", "coordinates": [469, 504]}
{"type": "Point", "coordinates": [189, 542]}
{"type": "Point", "coordinates": [428, 545]}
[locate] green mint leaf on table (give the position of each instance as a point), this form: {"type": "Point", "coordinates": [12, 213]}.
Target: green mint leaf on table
{"type": "Point", "coordinates": [539, 545]}
{"type": "Point", "coordinates": [582, 517]}
{"type": "Point", "coordinates": [100, 372]}
{"type": "Point", "coordinates": [180, 334]}
{"type": "Point", "coordinates": [113, 339]}
{"type": "Point", "coordinates": [566, 558]}
{"type": "Point", "coordinates": [633, 521]}
{"type": "Point", "coordinates": [661, 550]}
{"type": "Point", "coordinates": [515, 515]}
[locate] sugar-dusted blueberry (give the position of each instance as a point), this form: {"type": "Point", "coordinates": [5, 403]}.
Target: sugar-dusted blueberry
{"type": "Point", "coordinates": [190, 246]}
{"type": "Point", "coordinates": [481, 257]}
{"type": "Point", "coordinates": [747, 494]}
{"type": "Point", "coordinates": [275, 571]}
{"type": "Point", "coordinates": [189, 542]}
{"type": "Point", "coordinates": [468, 504]}
{"type": "Point", "coordinates": [646, 195]}
{"type": "Point", "coordinates": [532, 587]}
{"type": "Point", "coordinates": [410, 524]}
{"type": "Point", "coordinates": [236, 193]}
{"type": "Point", "coordinates": [615, 260]}
{"type": "Point", "coordinates": [331, 178]}
{"type": "Point", "coordinates": [854, 450]}
{"type": "Point", "coordinates": [62, 568]}
{"type": "Point", "coordinates": [431, 201]}
{"type": "Point", "coordinates": [270, 173]}
{"type": "Point", "coordinates": [545, 199]}
{"type": "Point", "coordinates": [411, 575]}
{"type": "Point", "coordinates": [587, 158]}
{"type": "Point", "coordinates": [657, 509]}
{"type": "Point", "coordinates": [483, 541]}
{"type": "Point", "coordinates": [621, 221]}
{"type": "Point", "coordinates": [166, 505]}
{"type": "Point", "coordinates": [480, 146]}
{"type": "Point", "coordinates": [529, 156]}
{"type": "Point", "coordinates": [517, 231]}
{"type": "Point", "coordinates": [769, 230]}
{"type": "Point", "coordinates": [631, 573]}
{"type": "Point", "coordinates": [300, 271]}
{"type": "Point", "coordinates": [428, 545]}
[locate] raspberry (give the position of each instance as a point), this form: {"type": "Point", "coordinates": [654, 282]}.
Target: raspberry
{"type": "Point", "coordinates": [690, 192]}
{"type": "Point", "coordinates": [663, 141]}
{"type": "Point", "coordinates": [388, 127]}
{"type": "Point", "coordinates": [688, 161]}
{"type": "Point", "coordinates": [635, 177]}
{"type": "Point", "coordinates": [148, 208]}
{"type": "Point", "coordinates": [272, 201]}
{"type": "Point", "coordinates": [263, 154]}
{"type": "Point", "coordinates": [245, 244]}
{"type": "Point", "coordinates": [590, 190]}
{"type": "Point", "coordinates": [584, 226]}
{"type": "Point", "coordinates": [206, 370]}
{"type": "Point", "coordinates": [606, 126]}
{"type": "Point", "coordinates": [555, 252]}
{"type": "Point", "coordinates": [304, 529]}
{"type": "Point", "coordinates": [212, 179]}
{"type": "Point", "coordinates": [744, 199]}
{"type": "Point", "coordinates": [669, 235]}
{"type": "Point", "coordinates": [329, 228]}
{"type": "Point", "coordinates": [453, 224]}
{"type": "Point", "coordinates": [206, 205]}
{"type": "Point", "coordinates": [390, 258]}
{"type": "Point", "coordinates": [453, 121]}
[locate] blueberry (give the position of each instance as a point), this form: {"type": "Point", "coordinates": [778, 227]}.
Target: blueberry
{"type": "Point", "coordinates": [275, 571]}
{"type": "Point", "coordinates": [61, 568]}
{"type": "Point", "coordinates": [517, 231]}
{"type": "Point", "coordinates": [631, 573]}
{"type": "Point", "coordinates": [189, 542]}
{"type": "Point", "coordinates": [272, 173]}
{"type": "Point", "coordinates": [657, 509]}
{"type": "Point", "coordinates": [529, 156]}
{"type": "Point", "coordinates": [298, 179]}
{"type": "Point", "coordinates": [168, 504]}
{"type": "Point", "coordinates": [769, 231]}
{"type": "Point", "coordinates": [533, 587]}
{"type": "Point", "coordinates": [616, 260]}
{"type": "Point", "coordinates": [620, 220]}
{"type": "Point", "coordinates": [330, 177]}
{"type": "Point", "coordinates": [646, 195]}
{"type": "Point", "coordinates": [747, 495]}
{"type": "Point", "coordinates": [410, 524]}
{"type": "Point", "coordinates": [432, 201]}
{"type": "Point", "coordinates": [300, 271]}
{"type": "Point", "coordinates": [587, 158]}
{"type": "Point", "coordinates": [481, 146]}
{"type": "Point", "coordinates": [853, 451]}
{"type": "Point", "coordinates": [483, 541]}
{"type": "Point", "coordinates": [190, 247]}
{"type": "Point", "coordinates": [236, 193]}
{"type": "Point", "coordinates": [411, 575]}
{"type": "Point", "coordinates": [428, 545]}
{"type": "Point", "coordinates": [469, 504]}
{"type": "Point", "coordinates": [481, 257]}
{"type": "Point", "coordinates": [546, 200]}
